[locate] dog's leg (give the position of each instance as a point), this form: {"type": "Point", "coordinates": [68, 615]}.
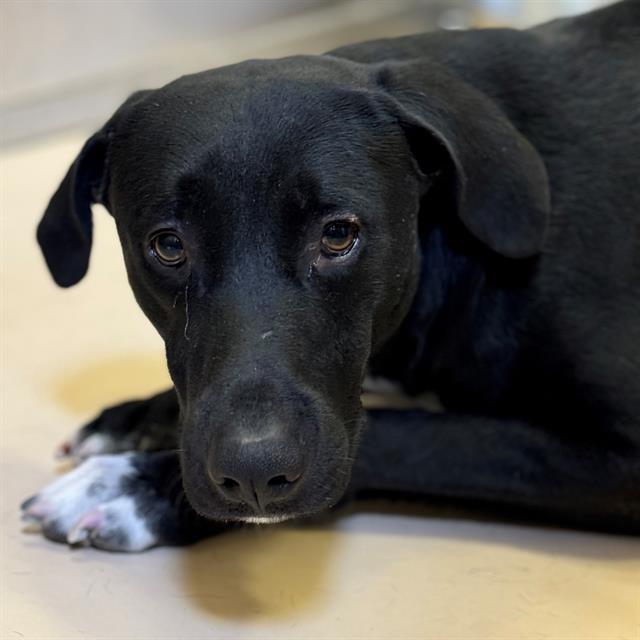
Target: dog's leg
{"type": "Point", "coordinates": [119, 502]}
{"type": "Point", "coordinates": [578, 480]}
{"type": "Point", "coordinates": [140, 425]}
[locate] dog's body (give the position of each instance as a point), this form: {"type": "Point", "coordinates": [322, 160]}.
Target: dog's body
{"type": "Point", "coordinates": [487, 184]}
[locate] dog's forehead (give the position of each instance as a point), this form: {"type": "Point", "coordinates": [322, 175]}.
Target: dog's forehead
{"type": "Point", "coordinates": [256, 120]}
{"type": "Point", "coordinates": [254, 97]}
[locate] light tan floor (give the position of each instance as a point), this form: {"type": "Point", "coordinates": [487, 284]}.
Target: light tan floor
{"type": "Point", "coordinates": [68, 353]}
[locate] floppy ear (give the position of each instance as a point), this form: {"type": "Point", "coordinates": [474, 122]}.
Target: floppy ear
{"type": "Point", "coordinates": [65, 231]}
{"type": "Point", "coordinates": [500, 185]}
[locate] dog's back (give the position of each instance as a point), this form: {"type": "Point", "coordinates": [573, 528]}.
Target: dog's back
{"type": "Point", "coordinates": [572, 87]}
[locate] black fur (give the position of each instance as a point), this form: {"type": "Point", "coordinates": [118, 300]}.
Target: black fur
{"type": "Point", "coordinates": [495, 177]}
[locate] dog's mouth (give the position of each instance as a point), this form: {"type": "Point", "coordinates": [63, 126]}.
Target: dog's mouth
{"type": "Point", "coordinates": [309, 500]}
{"type": "Point", "coordinates": [306, 506]}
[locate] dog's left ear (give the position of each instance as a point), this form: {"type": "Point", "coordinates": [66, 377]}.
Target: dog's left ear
{"type": "Point", "coordinates": [499, 183]}
{"type": "Point", "coordinates": [65, 230]}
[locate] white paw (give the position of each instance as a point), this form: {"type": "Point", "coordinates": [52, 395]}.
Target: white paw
{"type": "Point", "coordinates": [92, 505]}
{"type": "Point", "coordinates": [79, 448]}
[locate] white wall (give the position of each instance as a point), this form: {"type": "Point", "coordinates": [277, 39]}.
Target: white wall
{"type": "Point", "coordinates": [522, 13]}
{"type": "Point", "coordinates": [47, 43]}
{"type": "Point", "coordinates": [71, 62]}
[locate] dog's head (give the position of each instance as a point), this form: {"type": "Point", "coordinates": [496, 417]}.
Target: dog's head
{"type": "Point", "coordinates": [268, 214]}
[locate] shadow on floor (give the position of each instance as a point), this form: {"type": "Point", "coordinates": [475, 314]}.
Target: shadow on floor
{"type": "Point", "coordinates": [276, 572]}
{"type": "Point", "coordinates": [280, 572]}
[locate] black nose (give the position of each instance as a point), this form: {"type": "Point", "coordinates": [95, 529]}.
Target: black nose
{"type": "Point", "coordinates": [256, 470]}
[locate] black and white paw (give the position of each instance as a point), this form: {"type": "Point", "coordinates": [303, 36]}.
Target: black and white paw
{"type": "Point", "coordinates": [104, 503]}
{"type": "Point", "coordinates": [140, 425]}
{"type": "Point", "coordinates": [84, 445]}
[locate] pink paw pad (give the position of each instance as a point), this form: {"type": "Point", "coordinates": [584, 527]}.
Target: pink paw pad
{"type": "Point", "coordinates": [81, 531]}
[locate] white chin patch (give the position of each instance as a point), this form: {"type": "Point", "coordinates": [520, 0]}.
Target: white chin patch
{"type": "Point", "coordinates": [265, 519]}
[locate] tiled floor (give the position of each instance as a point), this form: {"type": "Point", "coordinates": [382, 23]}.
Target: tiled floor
{"type": "Point", "coordinates": [68, 353]}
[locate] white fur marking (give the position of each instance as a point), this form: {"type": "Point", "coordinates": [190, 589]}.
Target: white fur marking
{"type": "Point", "coordinates": [121, 514]}
{"type": "Point", "coordinates": [87, 504]}
{"type": "Point", "coordinates": [95, 444]}
{"type": "Point", "coordinates": [265, 519]}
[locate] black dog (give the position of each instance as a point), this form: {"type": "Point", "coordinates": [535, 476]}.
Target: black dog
{"type": "Point", "coordinates": [454, 211]}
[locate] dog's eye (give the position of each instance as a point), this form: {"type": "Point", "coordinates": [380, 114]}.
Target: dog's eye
{"type": "Point", "coordinates": [168, 249]}
{"type": "Point", "coordinates": [339, 237]}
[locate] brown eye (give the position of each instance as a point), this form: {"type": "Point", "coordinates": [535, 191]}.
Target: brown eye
{"type": "Point", "coordinates": [167, 247]}
{"type": "Point", "coordinates": [338, 238]}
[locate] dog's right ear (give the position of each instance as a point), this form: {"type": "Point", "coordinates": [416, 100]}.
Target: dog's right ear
{"type": "Point", "coordinates": [65, 231]}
